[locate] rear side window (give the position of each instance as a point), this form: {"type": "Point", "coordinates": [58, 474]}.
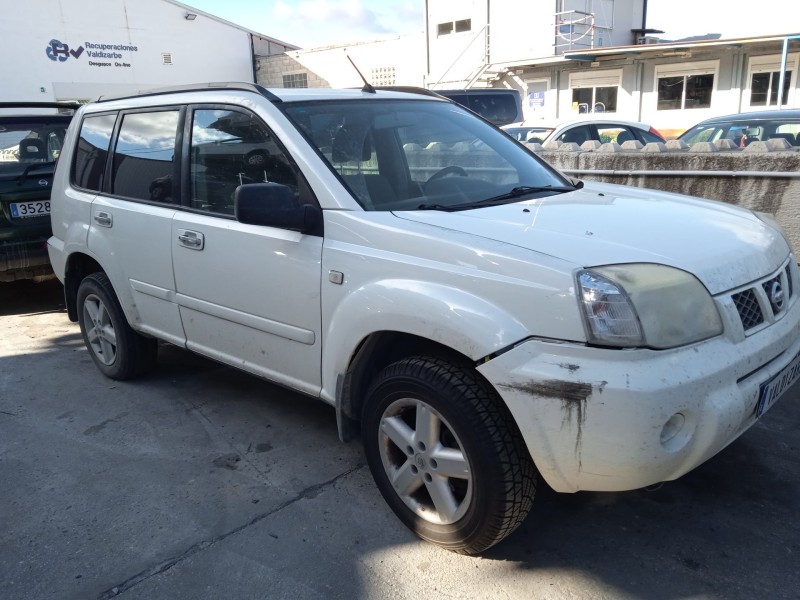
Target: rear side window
{"type": "Point", "coordinates": [144, 157]}
{"type": "Point", "coordinates": [92, 152]}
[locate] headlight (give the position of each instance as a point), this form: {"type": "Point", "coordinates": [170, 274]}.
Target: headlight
{"type": "Point", "coordinates": [646, 305]}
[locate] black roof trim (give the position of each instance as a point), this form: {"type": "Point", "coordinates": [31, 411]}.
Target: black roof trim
{"type": "Point", "coordinates": [69, 105]}
{"type": "Point", "coordinates": [241, 86]}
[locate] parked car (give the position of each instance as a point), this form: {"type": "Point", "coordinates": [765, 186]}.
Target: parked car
{"type": "Point", "coordinates": [601, 130]}
{"type": "Point", "coordinates": [475, 314]}
{"type": "Point", "coordinates": [30, 143]}
{"type": "Point", "coordinates": [744, 128]}
{"type": "Point", "coordinates": [500, 106]}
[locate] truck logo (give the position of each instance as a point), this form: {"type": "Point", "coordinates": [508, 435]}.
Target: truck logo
{"type": "Point", "coordinates": [58, 51]}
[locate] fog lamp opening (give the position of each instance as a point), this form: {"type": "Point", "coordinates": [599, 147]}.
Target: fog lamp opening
{"type": "Point", "coordinates": [675, 433]}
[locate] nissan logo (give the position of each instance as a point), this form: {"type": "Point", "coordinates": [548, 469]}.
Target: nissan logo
{"type": "Point", "coordinates": [776, 296]}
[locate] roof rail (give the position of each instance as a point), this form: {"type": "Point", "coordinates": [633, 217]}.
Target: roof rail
{"type": "Point", "coordinates": [241, 86]}
{"type": "Point", "coordinates": [409, 89]}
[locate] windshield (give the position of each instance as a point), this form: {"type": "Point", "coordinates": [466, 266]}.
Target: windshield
{"type": "Point", "coordinates": [412, 154]}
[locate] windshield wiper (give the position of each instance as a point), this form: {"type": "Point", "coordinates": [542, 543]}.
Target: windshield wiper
{"type": "Point", "coordinates": [516, 192]}
{"type": "Point", "coordinates": [33, 167]}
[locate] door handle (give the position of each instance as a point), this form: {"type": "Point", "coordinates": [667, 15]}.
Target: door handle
{"type": "Point", "coordinates": [193, 240]}
{"type": "Point", "coordinates": [103, 219]}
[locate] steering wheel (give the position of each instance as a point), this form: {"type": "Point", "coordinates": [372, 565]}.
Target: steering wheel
{"type": "Point", "coordinates": [449, 170]}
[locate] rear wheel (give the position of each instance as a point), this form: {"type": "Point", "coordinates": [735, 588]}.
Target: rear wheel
{"type": "Point", "coordinates": [446, 454]}
{"type": "Point", "coordinates": [117, 350]}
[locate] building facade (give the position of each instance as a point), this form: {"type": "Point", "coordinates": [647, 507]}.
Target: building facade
{"type": "Point", "coordinates": [567, 58]}
{"type": "Point", "coordinates": [398, 60]}
{"type": "Point", "coordinates": [82, 49]}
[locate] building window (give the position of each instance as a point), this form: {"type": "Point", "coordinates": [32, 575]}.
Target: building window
{"type": "Point", "coordinates": [685, 86]}
{"type": "Point", "coordinates": [295, 80]}
{"type": "Point", "coordinates": [594, 99]}
{"type": "Point", "coordinates": [595, 91]}
{"type": "Point", "coordinates": [383, 76]}
{"type": "Point", "coordinates": [463, 25]}
{"type": "Point", "coordinates": [454, 27]}
{"type": "Point", "coordinates": [685, 91]}
{"type": "Point", "coordinates": [764, 88]}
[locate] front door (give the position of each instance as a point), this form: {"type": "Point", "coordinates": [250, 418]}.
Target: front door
{"type": "Point", "coordinates": [249, 295]}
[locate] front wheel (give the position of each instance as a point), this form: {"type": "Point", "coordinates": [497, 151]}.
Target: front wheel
{"type": "Point", "coordinates": [117, 350]}
{"type": "Point", "coordinates": [446, 454]}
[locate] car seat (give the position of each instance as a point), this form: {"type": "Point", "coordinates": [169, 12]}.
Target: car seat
{"type": "Point", "coordinates": [789, 137]}
{"type": "Point", "coordinates": [625, 136]}
{"type": "Point", "coordinates": [577, 136]}
{"type": "Point", "coordinates": [32, 149]}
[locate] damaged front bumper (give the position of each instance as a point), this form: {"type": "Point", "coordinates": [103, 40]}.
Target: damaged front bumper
{"type": "Point", "coordinates": [611, 420]}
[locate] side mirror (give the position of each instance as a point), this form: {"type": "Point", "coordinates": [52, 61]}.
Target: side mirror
{"type": "Point", "coordinates": [274, 205]}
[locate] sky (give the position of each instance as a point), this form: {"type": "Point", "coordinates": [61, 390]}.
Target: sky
{"type": "Point", "coordinates": [314, 23]}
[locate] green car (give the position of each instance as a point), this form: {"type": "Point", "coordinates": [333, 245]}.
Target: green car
{"type": "Point", "coordinates": [30, 143]}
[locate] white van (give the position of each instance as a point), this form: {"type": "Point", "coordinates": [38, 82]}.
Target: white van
{"type": "Point", "coordinates": [477, 315]}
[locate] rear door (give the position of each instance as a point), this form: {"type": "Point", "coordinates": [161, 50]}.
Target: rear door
{"type": "Point", "coordinates": [131, 221]}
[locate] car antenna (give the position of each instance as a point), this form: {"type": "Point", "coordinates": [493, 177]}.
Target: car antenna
{"type": "Point", "coordinates": [367, 86]}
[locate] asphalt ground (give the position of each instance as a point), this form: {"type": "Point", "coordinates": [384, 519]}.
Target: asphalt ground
{"type": "Point", "coordinates": [198, 481]}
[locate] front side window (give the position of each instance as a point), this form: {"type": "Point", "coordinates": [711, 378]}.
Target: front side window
{"type": "Point", "coordinates": [685, 92]}
{"type": "Point", "coordinates": [230, 148]}
{"type": "Point", "coordinates": [419, 154]}
{"type": "Point", "coordinates": [145, 157]}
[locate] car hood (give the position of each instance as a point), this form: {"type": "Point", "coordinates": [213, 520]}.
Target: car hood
{"type": "Point", "coordinates": [602, 224]}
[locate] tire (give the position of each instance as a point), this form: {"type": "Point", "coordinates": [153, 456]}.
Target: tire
{"type": "Point", "coordinates": [432, 429]}
{"type": "Point", "coordinates": [117, 350]}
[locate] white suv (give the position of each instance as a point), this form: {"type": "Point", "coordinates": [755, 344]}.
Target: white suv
{"type": "Point", "coordinates": [477, 315]}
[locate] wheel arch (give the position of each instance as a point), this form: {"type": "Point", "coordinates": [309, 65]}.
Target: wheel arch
{"type": "Point", "coordinates": [376, 351]}
{"type": "Point", "coordinates": [78, 266]}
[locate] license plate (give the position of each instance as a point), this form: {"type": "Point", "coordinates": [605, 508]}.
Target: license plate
{"type": "Point", "coordinates": [21, 210]}
{"type": "Point", "coordinates": [773, 389]}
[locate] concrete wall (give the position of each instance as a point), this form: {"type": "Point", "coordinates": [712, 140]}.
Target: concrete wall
{"type": "Point", "coordinates": [777, 195]}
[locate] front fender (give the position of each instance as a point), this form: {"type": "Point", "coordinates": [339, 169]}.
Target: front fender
{"type": "Point", "coordinates": [460, 320]}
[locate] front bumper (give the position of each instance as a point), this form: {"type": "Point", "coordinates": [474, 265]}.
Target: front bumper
{"type": "Point", "coordinates": [593, 418]}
